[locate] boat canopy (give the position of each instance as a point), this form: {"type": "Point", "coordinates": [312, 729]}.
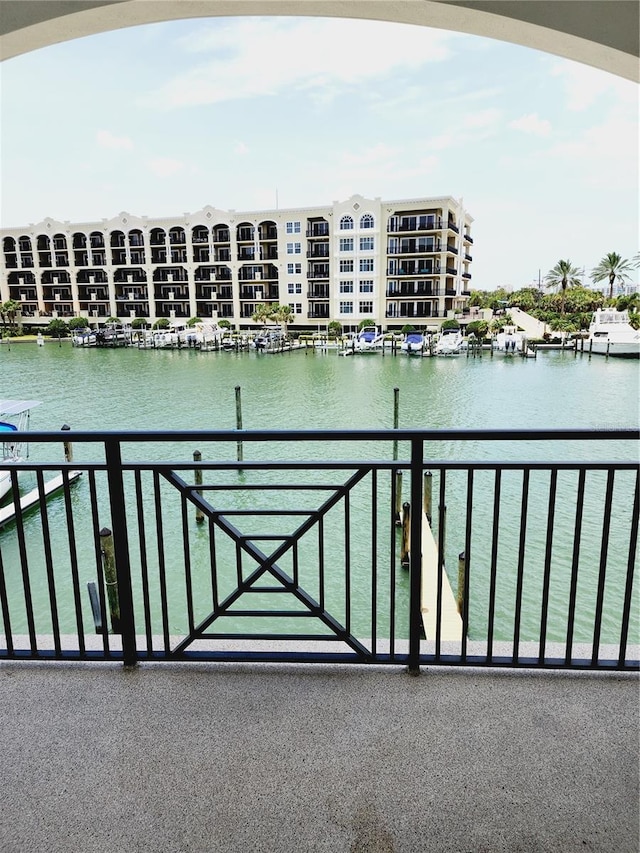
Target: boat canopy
{"type": "Point", "coordinates": [17, 407]}
{"type": "Point", "coordinates": [4, 427]}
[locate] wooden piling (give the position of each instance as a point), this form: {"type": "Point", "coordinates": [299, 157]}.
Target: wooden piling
{"type": "Point", "coordinates": [406, 535]}
{"type": "Point", "coordinates": [68, 446]}
{"type": "Point", "coordinates": [398, 506]}
{"type": "Point", "coordinates": [239, 450]}
{"type": "Point", "coordinates": [110, 579]}
{"type": "Point", "coordinates": [427, 493]}
{"type": "Point", "coordinates": [197, 456]}
{"type": "Point", "coordinates": [462, 571]}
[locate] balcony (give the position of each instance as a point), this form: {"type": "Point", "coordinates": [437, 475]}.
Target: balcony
{"type": "Point", "coordinates": [468, 238]}
{"type": "Point", "coordinates": [450, 291]}
{"type": "Point", "coordinates": [453, 227]}
{"type": "Point", "coordinates": [318, 251]}
{"type": "Point", "coordinates": [452, 250]}
{"type": "Point", "coordinates": [451, 271]}
{"type": "Point", "coordinates": [332, 733]}
{"type": "Point", "coordinates": [466, 275]}
{"type": "Point", "coordinates": [318, 231]}
{"type": "Point", "coordinates": [318, 291]}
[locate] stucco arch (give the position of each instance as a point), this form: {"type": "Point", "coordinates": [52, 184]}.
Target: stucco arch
{"type": "Point", "coordinates": [601, 33]}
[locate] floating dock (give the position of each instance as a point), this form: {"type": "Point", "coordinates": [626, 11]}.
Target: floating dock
{"type": "Point", "coordinates": [451, 621]}
{"type": "Point", "coordinates": [32, 498]}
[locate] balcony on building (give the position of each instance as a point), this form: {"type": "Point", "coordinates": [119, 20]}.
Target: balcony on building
{"type": "Point", "coordinates": [318, 312]}
{"type": "Point", "coordinates": [177, 237]}
{"type": "Point", "coordinates": [267, 231]}
{"type": "Point", "coordinates": [221, 234]}
{"type": "Point", "coordinates": [318, 291]}
{"type": "Point", "coordinates": [466, 275]}
{"type": "Point", "coordinates": [245, 233]}
{"type": "Point", "coordinates": [411, 288]}
{"type": "Point", "coordinates": [451, 225]}
{"type": "Point", "coordinates": [413, 268]}
{"type": "Point", "coordinates": [318, 271]}
{"type": "Point", "coordinates": [451, 249]}
{"type": "Point", "coordinates": [411, 311]}
{"type": "Point", "coordinates": [468, 238]}
{"type": "Point", "coordinates": [119, 257]}
{"type": "Point", "coordinates": [451, 271]}
{"type": "Point", "coordinates": [401, 223]}
{"type": "Point", "coordinates": [317, 228]}
{"type": "Point", "coordinates": [199, 235]}
{"type": "Point", "coordinates": [318, 250]}
{"type": "Point", "coordinates": [201, 254]}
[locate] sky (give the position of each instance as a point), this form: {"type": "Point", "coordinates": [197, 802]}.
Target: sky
{"type": "Point", "coordinates": [250, 113]}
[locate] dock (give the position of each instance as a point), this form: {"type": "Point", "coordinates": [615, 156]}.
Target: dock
{"type": "Point", "coordinates": [32, 498]}
{"type": "Point", "coordinates": [451, 621]}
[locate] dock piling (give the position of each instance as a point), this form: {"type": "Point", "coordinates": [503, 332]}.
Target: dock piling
{"type": "Point", "coordinates": [406, 535]}
{"type": "Point", "coordinates": [427, 494]}
{"type": "Point", "coordinates": [110, 578]}
{"type": "Point", "coordinates": [68, 446]}
{"type": "Point", "coordinates": [462, 570]}
{"type": "Point", "coordinates": [398, 506]}
{"type": "Point", "coordinates": [197, 456]}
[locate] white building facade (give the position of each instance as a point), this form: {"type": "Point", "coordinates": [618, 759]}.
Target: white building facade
{"type": "Point", "coordinates": [394, 263]}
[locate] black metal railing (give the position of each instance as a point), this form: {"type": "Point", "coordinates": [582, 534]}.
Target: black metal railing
{"type": "Point", "coordinates": [287, 546]}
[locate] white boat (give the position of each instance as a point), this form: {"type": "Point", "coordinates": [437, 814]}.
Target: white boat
{"type": "Point", "coordinates": [414, 343]}
{"type": "Point", "coordinates": [450, 342]}
{"type": "Point", "coordinates": [610, 333]}
{"type": "Point", "coordinates": [369, 339]}
{"type": "Point", "coordinates": [510, 341]}
{"type": "Point", "coordinates": [14, 417]}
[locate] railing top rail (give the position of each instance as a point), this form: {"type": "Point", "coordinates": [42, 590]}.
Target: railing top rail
{"type": "Point", "coordinates": [607, 434]}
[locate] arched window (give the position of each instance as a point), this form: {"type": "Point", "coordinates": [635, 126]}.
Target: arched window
{"type": "Point", "coordinates": [367, 221]}
{"type": "Point", "coordinates": [346, 223]}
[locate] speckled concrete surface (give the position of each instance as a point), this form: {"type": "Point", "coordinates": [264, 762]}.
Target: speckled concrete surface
{"type": "Point", "coordinates": [274, 758]}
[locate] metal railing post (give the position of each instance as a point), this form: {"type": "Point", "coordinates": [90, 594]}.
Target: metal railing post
{"type": "Point", "coordinates": [121, 549]}
{"type": "Point", "coordinates": [415, 557]}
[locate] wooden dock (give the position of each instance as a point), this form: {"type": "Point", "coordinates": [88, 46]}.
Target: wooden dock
{"type": "Point", "coordinates": [32, 498]}
{"type": "Point", "coordinates": [451, 621]}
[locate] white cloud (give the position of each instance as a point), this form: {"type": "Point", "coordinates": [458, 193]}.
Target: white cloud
{"type": "Point", "coordinates": [250, 57]}
{"type": "Point", "coordinates": [483, 118]}
{"type": "Point", "coordinates": [106, 139]}
{"type": "Point", "coordinates": [163, 167]}
{"type": "Point", "coordinates": [584, 85]}
{"type": "Point", "coordinates": [241, 148]}
{"type": "Point", "coordinates": [532, 123]}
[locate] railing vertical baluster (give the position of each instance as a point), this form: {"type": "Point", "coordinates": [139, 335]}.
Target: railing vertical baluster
{"type": "Point", "coordinates": [321, 561]}
{"type": "Point", "coordinates": [121, 548]}
{"type": "Point", "coordinates": [494, 562]}
{"type": "Point", "coordinates": [467, 554]}
{"type": "Point", "coordinates": [547, 564]}
{"type": "Point", "coordinates": [48, 561]}
{"type": "Point", "coordinates": [415, 556]}
{"type": "Point", "coordinates": [187, 564]}
{"type": "Point", "coordinates": [392, 570]}
{"type": "Point", "coordinates": [95, 526]}
{"type": "Point", "coordinates": [213, 562]}
{"type": "Point", "coordinates": [144, 567]}
{"type": "Point", "coordinates": [24, 565]}
{"type": "Point", "coordinates": [73, 557]}
{"type": "Point", "coordinates": [162, 569]}
{"type": "Point", "coordinates": [4, 602]}
{"type": "Point", "coordinates": [604, 549]}
{"type": "Point", "coordinates": [442, 520]}
{"type": "Point", "coordinates": [347, 562]}
{"type": "Point", "coordinates": [575, 562]}
{"type": "Point", "coordinates": [521, 549]}
{"type": "Point", "coordinates": [633, 544]}
{"type": "Point", "coordinates": [374, 559]}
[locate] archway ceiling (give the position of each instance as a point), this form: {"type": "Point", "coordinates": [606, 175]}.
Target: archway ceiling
{"type": "Point", "coordinates": [601, 33]}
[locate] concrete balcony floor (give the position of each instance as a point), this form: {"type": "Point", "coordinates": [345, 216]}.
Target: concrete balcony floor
{"type": "Point", "coordinates": [316, 758]}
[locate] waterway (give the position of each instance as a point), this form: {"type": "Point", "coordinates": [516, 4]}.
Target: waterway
{"type": "Point", "coordinates": [133, 389]}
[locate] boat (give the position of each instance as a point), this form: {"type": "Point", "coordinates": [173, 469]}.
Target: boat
{"type": "Point", "coordinates": [450, 342]}
{"type": "Point", "coordinates": [414, 343]}
{"type": "Point", "coordinates": [14, 417]}
{"type": "Point", "coordinates": [510, 341]}
{"type": "Point", "coordinates": [610, 333]}
{"type": "Point", "coordinates": [368, 339]}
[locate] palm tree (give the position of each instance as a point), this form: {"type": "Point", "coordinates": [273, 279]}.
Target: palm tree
{"type": "Point", "coordinates": [613, 266]}
{"type": "Point", "coordinates": [263, 313]}
{"type": "Point", "coordinates": [563, 275]}
{"type": "Point", "coordinates": [284, 315]}
{"type": "Point", "coordinates": [9, 310]}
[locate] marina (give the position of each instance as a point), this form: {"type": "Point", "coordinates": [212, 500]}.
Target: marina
{"type": "Point", "coordinates": [106, 389]}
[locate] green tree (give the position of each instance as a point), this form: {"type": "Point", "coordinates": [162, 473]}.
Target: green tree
{"type": "Point", "coordinates": [264, 313]}
{"type": "Point", "coordinates": [139, 323]}
{"type": "Point", "coordinates": [612, 267]}
{"type": "Point", "coordinates": [78, 323]}
{"type": "Point", "coordinates": [57, 328]}
{"type": "Point", "coordinates": [284, 315]}
{"type": "Point", "coordinates": [563, 276]}
{"type": "Point", "coordinates": [334, 329]}
{"type": "Point", "coordinates": [192, 321]}
{"type": "Point", "coordinates": [112, 320]}
{"type": "Point", "coordinates": [8, 311]}
{"type": "Point", "coordinates": [450, 324]}
{"type": "Point", "coordinates": [161, 323]}
{"type": "Point", "coordinates": [224, 323]}
{"type": "Point", "coordinates": [479, 328]}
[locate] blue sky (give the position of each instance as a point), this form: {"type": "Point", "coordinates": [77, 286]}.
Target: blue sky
{"type": "Point", "coordinates": [166, 118]}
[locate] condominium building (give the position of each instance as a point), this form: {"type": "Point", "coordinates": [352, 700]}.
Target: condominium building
{"type": "Point", "coordinates": [390, 262]}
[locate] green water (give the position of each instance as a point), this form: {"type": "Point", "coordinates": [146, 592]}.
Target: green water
{"type": "Point", "coordinates": [132, 389]}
